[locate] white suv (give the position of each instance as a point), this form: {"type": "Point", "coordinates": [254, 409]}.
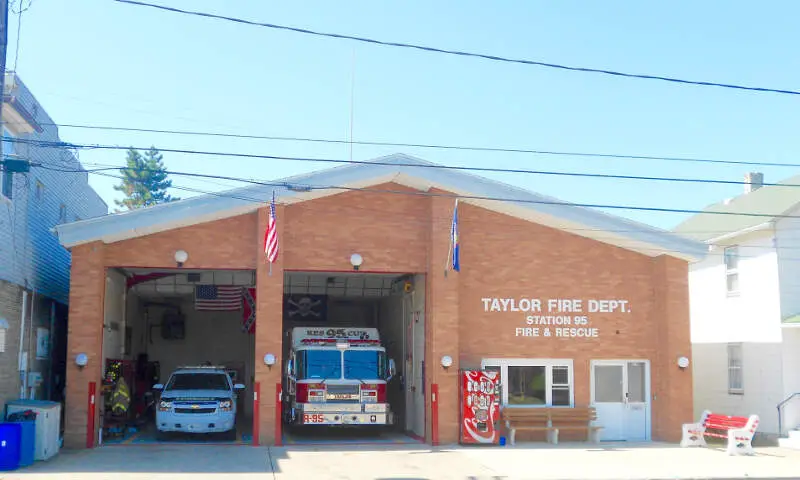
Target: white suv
{"type": "Point", "coordinates": [197, 400]}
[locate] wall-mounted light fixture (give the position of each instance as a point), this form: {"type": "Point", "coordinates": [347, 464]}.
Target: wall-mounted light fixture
{"type": "Point", "coordinates": [81, 360]}
{"type": "Point", "coordinates": [269, 360]}
{"type": "Point", "coordinates": [356, 261]}
{"type": "Point", "coordinates": [180, 257]}
{"type": "Point", "coordinates": [447, 361]}
{"type": "Point", "coordinates": [683, 362]}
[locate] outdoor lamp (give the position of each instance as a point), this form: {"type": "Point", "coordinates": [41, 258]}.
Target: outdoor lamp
{"type": "Point", "coordinates": [447, 361]}
{"type": "Point", "coordinates": [683, 362]}
{"type": "Point", "coordinates": [356, 261]}
{"type": "Point", "coordinates": [269, 360]}
{"type": "Point", "coordinates": [180, 257]}
{"type": "Point", "coordinates": [81, 360]}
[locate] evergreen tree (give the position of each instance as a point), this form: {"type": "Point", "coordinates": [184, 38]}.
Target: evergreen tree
{"type": "Point", "coordinates": [144, 181]}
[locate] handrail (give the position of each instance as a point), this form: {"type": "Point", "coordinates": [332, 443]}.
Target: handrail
{"type": "Point", "coordinates": [780, 407]}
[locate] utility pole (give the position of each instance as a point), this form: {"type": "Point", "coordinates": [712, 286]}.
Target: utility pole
{"type": "Point", "coordinates": [3, 49]}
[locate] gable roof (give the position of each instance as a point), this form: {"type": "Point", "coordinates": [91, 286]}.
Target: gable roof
{"type": "Point", "coordinates": [398, 168]}
{"type": "Point", "coordinates": [773, 200]}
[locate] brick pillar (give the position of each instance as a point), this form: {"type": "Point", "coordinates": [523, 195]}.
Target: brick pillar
{"type": "Point", "coordinates": [85, 335]}
{"type": "Point", "coordinates": [269, 323]}
{"type": "Point", "coordinates": [671, 386]}
{"type": "Point", "coordinates": [442, 321]}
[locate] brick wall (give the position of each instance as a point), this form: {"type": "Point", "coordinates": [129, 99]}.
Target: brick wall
{"type": "Point", "coordinates": [501, 257]}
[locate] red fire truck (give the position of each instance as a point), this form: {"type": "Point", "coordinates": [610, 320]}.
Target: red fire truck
{"type": "Point", "coordinates": [337, 376]}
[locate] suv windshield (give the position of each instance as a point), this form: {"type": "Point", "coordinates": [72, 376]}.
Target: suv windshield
{"type": "Point", "coordinates": [361, 364]}
{"type": "Point", "coordinates": [319, 364]}
{"type": "Point", "coordinates": [198, 381]}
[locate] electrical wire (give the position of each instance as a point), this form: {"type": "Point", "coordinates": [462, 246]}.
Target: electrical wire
{"type": "Point", "coordinates": [43, 143]}
{"type": "Point", "coordinates": [285, 184]}
{"type": "Point", "coordinates": [427, 145]}
{"type": "Point", "coordinates": [445, 220]}
{"type": "Point", "coordinates": [459, 53]}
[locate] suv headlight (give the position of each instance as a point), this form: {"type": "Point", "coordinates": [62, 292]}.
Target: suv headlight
{"type": "Point", "coordinates": [226, 405]}
{"type": "Point", "coordinates": [164, 406]}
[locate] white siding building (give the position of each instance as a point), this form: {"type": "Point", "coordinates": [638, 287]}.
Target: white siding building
{"type": "Point", "coordinates": [745, 306]}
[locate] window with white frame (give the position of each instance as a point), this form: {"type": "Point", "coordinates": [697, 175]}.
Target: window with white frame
{"type": "Point", "coordinates": [3, 331]}
{"type": "Point", "coordinates": [732, 269]}
{"type": "Point", "coordinates": [534, 382]}
{"type": "Point", "coordinates": [735, 377]}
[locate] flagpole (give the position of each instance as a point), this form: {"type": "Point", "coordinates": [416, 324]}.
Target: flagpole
{"type": "Point", "coordinates": [450, 248]}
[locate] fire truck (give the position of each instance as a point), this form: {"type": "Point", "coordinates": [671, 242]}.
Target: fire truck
{"type": "Point", "coordinates": [337, 376]}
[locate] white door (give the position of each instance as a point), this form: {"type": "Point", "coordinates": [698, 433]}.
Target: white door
{"type": "Point", "coordinates": [620, 393]}
{"type": "Point", "coordinates": [415, 378]}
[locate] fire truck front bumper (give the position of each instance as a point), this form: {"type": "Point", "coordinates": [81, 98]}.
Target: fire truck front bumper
{"type": "Point", "coordinates": [343, 414]}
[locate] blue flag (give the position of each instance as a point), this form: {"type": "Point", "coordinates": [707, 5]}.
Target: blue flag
{"type": "Point", "coordinates": [456, 265]}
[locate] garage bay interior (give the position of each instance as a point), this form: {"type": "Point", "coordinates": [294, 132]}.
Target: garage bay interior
{"type": "Point", "coordinates": [330, 305]}
{"type": "Point", "coordinates": [159, 321]}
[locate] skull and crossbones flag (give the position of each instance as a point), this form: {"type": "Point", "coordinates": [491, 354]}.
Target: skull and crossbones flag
{"type": "Point", "coordinates": [305, 307]}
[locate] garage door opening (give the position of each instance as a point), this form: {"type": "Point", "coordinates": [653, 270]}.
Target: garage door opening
{"type": "Point", "coordinates": [353, 350]}
{"type": "Point", "coordinates": [178, 356]}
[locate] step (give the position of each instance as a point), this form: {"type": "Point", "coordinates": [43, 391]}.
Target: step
{"type": "Point", "coordinates": [793, 440]}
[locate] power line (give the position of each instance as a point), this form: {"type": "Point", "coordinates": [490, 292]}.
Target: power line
{"type": "Point", "coordinates": [459, 53]}
{"type": "Point", "coordinates": [427, 145]}
{"type": "Point", "coordinates": [44, 143]}
{"type": "Point", "coordinates": [446, 219]}
{"type": "Point", "coordinates": [430, 194]}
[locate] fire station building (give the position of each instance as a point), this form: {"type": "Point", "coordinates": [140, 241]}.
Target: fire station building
{"type": "Point", "coordinates": [572, 306]}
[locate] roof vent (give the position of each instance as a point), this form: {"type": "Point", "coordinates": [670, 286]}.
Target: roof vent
{"type": "Point", "coordinates": [753, 181]}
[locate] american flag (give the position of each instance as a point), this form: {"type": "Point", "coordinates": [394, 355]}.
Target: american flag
{"type": "Point", "coordinates": [217, 297]}
{"type": "Point", "coordinates": [271, 235]}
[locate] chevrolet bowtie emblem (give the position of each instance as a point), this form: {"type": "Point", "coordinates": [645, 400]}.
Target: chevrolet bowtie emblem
{"type": "Point", "coordinates": [195, 406]}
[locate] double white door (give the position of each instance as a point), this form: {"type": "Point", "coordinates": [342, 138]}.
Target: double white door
{"type": "Point", "coordinates": [621, 396]}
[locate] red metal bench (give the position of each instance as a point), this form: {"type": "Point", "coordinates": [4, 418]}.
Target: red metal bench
{"type": "Point", "coordinates": [738, 430]}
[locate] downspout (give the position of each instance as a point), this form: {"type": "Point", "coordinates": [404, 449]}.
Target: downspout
{"type": "Point", "coordinates": [31, 354]}
{"type": "Point", "coordinates": [51, 344]}
{"type": "Point", "coordinates": [21, 366]}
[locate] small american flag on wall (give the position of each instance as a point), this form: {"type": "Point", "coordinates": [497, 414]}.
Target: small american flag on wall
{"type": "Point", "coordinates": [217, 297]}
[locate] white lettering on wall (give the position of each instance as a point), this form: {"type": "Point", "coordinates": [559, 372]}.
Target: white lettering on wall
{"type": "Point", "coordinates": [551, 317]}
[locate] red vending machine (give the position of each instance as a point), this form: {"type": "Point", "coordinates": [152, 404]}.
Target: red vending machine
{"type": "Point", "coordinates": [480, 406]}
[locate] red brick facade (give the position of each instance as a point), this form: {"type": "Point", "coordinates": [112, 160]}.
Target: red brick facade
{"type": "Point", "coordinates": [501, 257]}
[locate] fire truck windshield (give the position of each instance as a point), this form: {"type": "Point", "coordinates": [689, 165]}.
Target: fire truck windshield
{"type": "Point", "coordinates": [364, 364]}
{"type": "Point", "coordinates": [321, 364]}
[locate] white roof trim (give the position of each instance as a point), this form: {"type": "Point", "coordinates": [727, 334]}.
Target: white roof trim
{"type": "Point", "coordinates": [407, 170]}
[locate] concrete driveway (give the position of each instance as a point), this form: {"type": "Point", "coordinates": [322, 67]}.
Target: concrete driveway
{"type": "Point", "coordinates": [565, 461]}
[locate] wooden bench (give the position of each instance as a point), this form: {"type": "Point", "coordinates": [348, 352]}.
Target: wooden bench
{"type": "Point", "coordinates": [576, 419]}
{"type": "Point", "coordinates": [551, 420]}
{"type": "Point", "coordinates": [535, 419]}
{"type": "Point", "coordinates": [738, 430]}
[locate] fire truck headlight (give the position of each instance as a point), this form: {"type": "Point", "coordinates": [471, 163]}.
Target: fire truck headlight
{"type": "Point", "coordinates": [225, 405]}
{"type": "Point", "coordinates": [165, 406]}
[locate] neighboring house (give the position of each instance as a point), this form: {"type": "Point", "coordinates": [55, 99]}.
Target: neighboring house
{"type": "Point", "coordinates": [745, 305]}
{"type": "Point", "coordinates": [34, 267]}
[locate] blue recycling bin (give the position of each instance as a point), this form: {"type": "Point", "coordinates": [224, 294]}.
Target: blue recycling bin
{"type": "Point", "coordinates": [10, 436]}
{"type": "Point", "coordinates": [27, 443]}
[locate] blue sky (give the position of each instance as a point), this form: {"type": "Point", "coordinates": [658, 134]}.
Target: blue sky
{"type": "Point", "coordinates": [100, 62]}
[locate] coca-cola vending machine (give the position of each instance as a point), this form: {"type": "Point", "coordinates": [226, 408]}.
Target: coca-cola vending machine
{"type": "Point", "coordinates": [480, 406]}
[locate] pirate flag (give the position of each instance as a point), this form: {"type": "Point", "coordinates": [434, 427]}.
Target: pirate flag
{"type": "Point", "coordinates": [305, 308]}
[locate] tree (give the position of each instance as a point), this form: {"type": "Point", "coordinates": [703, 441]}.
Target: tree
{"type": "Point", "coordinates": [144, 181]}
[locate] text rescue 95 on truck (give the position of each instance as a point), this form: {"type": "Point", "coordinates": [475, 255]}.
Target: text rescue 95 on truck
{"type": "Point", "coordinates": [337, 376]}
